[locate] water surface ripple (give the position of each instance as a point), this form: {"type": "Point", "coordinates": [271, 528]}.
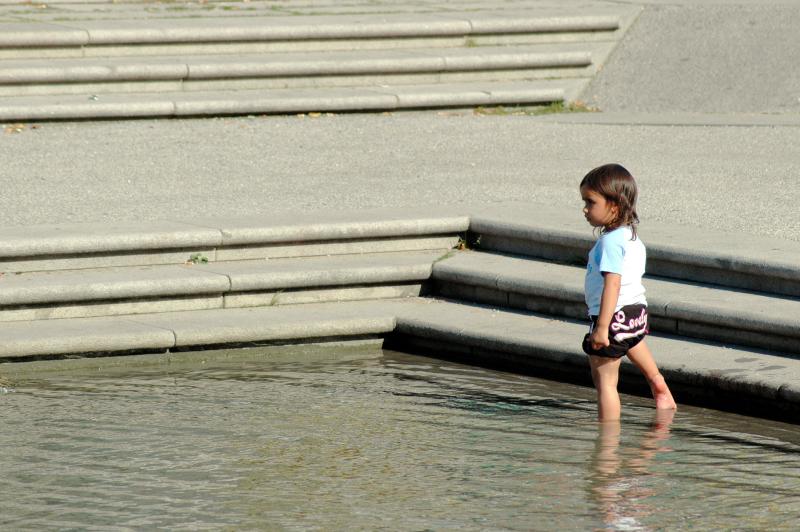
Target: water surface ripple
{"type": "Point", "coordinates": [371, 440]}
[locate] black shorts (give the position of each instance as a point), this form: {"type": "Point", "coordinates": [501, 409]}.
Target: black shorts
{"type": "Point", "coordinates": [629, 326]}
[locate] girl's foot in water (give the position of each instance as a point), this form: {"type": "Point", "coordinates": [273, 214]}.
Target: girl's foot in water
{"type": "Point", "coordinates": [661, 393]}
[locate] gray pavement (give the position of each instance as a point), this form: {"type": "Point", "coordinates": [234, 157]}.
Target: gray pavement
{"type": "Point", "coordinates": [731, 177]}
{"type": "Point", "coordinates": [675, 307]}
{"type": "Point", "coordinates": [705, 56]}
{"type": "Point", "coordinates": [700, 102]}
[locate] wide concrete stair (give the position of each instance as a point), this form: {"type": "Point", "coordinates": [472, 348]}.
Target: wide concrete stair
{"type": "Point", "coordinates": [676, 306]}
{"type": "Point", "coordinates": [725, 309]}
{"type": "Point", "coordinates": [91, 270]}
{"type": "Point", "coordinates": [498, 285]}
{"type": "Point", "coordinates": [90, 288]}
{"type": "Point", "coordinates": [133, 60]}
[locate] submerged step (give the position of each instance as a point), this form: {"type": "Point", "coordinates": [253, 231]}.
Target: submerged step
{"type": "Point", "coordinates": [737, 379]}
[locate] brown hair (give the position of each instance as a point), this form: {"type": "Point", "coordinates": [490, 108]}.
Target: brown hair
{"type": "Point", "coordinates": [616, 185]}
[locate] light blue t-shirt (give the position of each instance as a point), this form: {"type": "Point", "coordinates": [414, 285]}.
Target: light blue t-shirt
{"type": "Point", "coordinates": [615, 252]}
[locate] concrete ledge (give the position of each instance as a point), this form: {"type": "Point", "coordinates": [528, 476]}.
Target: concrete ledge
{"type": "Point", "coordinates": [764, 264]}
{"type": "Point", "coordinates": [304, 296]}
{"type": "Point", "coordinates": [474, 94]}
{"type": "Point", "coordinates": [281, 235]}
{"type": "Point", "coordinates": [699, 311]}
{"type": "Point", "coordinates": [72, 239]}
{"type": "Point", "coordinates": [113, 307]}
{"type": "Point", "coordinates": [529, 343]}
{"type": "Point", "coordinates": [29, 34]}
{"type": "Point", "coordinates": [281, 101]}
{"type": "Point", "coordinates": [77, 71]}
{"type": "Point", "coordinates": [269, 29]}
{"type": "Point", "coordinates": [769, 265]}
{"type": "Point", "coordinates": [194, 89]}
{"type": "Point", "coordinates": [734, 260]}
{"type": "Point", "coordinates": [735, 379]}
{"type": "Point", "coordinates": [255, 28]}
{"type": "Point", "coordinates": [73, 337]}
{"type": "Point", "coordinates": [527, 22]}
{"type": "Point", "coordinates": [86, 107]}
{"type": "Point", "coordinates": [106, 284]}
{"type": "Point", "coordinates": [232, 326]}
{"type": "Point", "coordinates": [143, 288]}
{"type": "Point", "coordinates": [156, 68]}
{"type": "Point", "coordinates": [164, 331]}
{"type": "Point", "coordinates": [326, 271]}
{"type": "Point", "coordinates": [340, 225]}
{"type": "Point", "coordinates": [387, 244]}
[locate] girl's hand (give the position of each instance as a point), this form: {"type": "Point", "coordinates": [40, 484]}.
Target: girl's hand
{"type": "Point", "coordinates": [599, 338]}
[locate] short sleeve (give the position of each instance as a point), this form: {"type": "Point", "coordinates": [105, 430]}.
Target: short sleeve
{"type": "Point", "coordinates": [610, 254]}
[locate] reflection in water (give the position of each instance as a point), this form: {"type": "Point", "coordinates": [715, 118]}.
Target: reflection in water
{"type": "Point", "coordinates": [620, 487]}
{"type": "Point", "coordinates": [369, 440]}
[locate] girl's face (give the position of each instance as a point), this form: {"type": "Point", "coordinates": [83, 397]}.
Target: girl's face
{"type": "Point", "coordinates": [597, 210]}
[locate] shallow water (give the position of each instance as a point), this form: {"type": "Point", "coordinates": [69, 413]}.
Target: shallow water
{"type": "Point", "coordinates": [363, 439]}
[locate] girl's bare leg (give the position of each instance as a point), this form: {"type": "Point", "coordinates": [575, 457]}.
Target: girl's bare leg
{"type": "Point", "coordinates": [605, 374]}
{"type": "Point", "coordinates": [643, 358]}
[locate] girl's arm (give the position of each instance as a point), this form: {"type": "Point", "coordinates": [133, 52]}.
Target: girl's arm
{"type": "Point", "coordinates": [608, 302]}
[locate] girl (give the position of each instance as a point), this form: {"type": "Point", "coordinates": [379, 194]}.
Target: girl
{"type": "Point", "coordinates": [614, 291]}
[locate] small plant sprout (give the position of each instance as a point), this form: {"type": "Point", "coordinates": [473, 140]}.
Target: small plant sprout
{"type": "Point", "coordinates": [197, 258]}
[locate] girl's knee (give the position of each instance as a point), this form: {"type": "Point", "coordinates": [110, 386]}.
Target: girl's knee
{"type": "Point", "coordinates": [604, 365]}
{"type": "Point", "coordinates": [605, 372]}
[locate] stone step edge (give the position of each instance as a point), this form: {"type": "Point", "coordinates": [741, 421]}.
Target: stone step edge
{"type": "Point", "coordinates": [287, 101]}
{"type": "Point", "coordinates": [161, 332]}
{"type": "Point", "coordinates": [226, 67]}
{"type": "Point", "coordinates": [293, 29]}
{"type": "Point", "coordinates": [735, 379]}
{"type": "Point", "coordinates": [723, 324]}
{"type": "Point", "coordinates": [521, 342]}
{"type": "Point", "coordinates": [757, 263]}
{"type": "Point", "coordinates": [552, 235]}
{"type": "Point", "coordinates": [210, 233]}
{"type": "Point", "coordinates": [217, 279]}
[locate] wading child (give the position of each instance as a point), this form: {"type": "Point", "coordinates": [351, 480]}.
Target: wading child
{"type": "Point", "coordinates": [614, 291]}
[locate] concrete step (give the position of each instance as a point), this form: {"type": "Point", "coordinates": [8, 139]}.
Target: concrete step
{"type": "Point", "coordinates": [224, 284]}
{"type": "Point", "coordinates": [247, 102]}
{"type": "Point", "coordinates": [110, 35]}
{"type": "Point", "coordinates": [75, 11]}
{"type": "Point", "coordinates": [271, 236]}
{"type": "Point", "coordinates": [734, 260]}
{"type": "Point", "coordinates": [310, 69]}
{"type": "Point", "coordinates": [161, 332]}
{"type": "Point", "coordinates": [724, 376]}
{"type": "Point", "coordinates": [686, 309]}
{"type": "Point", "coordinates": [684, 253]}
{"type": "Point", "coordinates": [231, 65]}
{"type": "Point", "coordinates": [234, 48]}
{"type": "Point", "coordinates": [739, 379]}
